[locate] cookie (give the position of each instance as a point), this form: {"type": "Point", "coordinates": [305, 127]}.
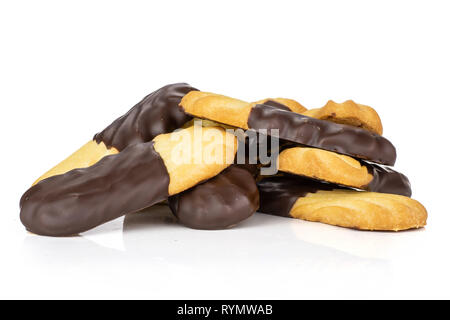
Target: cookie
{"type": "Point", "coordinates": [348, 112]}
{"type": "Point", "coordinates": [291, 126]}
{"type": "Point", "coordinates": [219, 203]}
{"type": "Point", "coordinates": [141, 175]}
{"type": "Point", "coordinates": [344, 170]}
{"type": "Point", "coordinates": [306, 199]}
{"type": "Point", "coordinates": [157, 113]}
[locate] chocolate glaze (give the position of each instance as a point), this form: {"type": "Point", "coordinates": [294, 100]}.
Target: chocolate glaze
{"type": "Point", "coordinates": [218, 203]}
{"type": "Point", "coordinates": [276, 104]}
{"type": "Point", "coordinates": [157, 113]}
{"type": "Point", "coordinates": [327, 135]}
{"type": "Point", "coordinates": [386, 180]}
{"type": "Point", "coordinates": [82, 199]}
{"type": "Point", "coordinates": [251, 168]}
{"type": "Point", "coordinates": [278, 193]}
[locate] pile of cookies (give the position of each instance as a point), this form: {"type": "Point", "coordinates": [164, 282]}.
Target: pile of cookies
{"type": "Point", "coordinates": [334, 167]}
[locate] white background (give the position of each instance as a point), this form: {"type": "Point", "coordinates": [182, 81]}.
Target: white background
{"type": "Point", "coordinates": [68, 68]}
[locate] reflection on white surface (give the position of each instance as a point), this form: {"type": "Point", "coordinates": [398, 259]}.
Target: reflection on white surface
{"type": "Point", "coordinates": [155, 257]}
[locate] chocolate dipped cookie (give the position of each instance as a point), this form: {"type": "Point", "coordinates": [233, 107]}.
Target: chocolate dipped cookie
{"type": "Point", "coordinates": [141, 175]}
{"type": "Point", "coordinates": [307, 199]}
{"type": "Point", "coordinates": [291, 126]}
{"type": "Point", "coordinates": [344, 170]}
{"type": "Point", "coordinates": [157, 113]}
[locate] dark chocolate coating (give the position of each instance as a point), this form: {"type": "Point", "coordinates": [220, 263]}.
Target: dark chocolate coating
{"type": "Point", "coordinates": [386, 180]}
{"type": "Point", "coordinates": [322, 134]}
{"type": "Point", "coordinates": [276, 104]}
{"type": "Point", "coordinates": [157, 113]}
{"type": "Point", "coordinates": [278, 194]}
{"type": "Point", "coordinates": [82, 199]}
{"type": "Point", "coordinates": [219, 203]}
{"type": "Point", "coordinates": [251, 168]}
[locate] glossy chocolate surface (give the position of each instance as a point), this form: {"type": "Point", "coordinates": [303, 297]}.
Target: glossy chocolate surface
{"type": "Point", "coordinates": [157, 113]}
{"type": "Point", "coordinates": [386, 180]}
{"type": "Point", "coordinates": [276, 104]}
{"type": "Point", "coordinates": [219, 203]}
{"type": "Point", "coordinates": [82, 199]}
{"type": "Point", "coordinates": [322, 134]}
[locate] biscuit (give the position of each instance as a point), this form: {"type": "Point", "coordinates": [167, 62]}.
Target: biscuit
{"type": "Point", "coordinates": [344, 170]}
{"type": "Point", "coordinates": [157, 113]}
{"type": "Point", "coordinates": [350, 113]}
{"type": "Point", "coordinates": [361, 210]}
{"type": "Point", "coordinates": [306, 199]}
{"type": "Point", "coordinates": [216, 107]}
{"type": "Point", "coordinates": [229, 111]}
{"type": "Point", "coordinates": [219, 203]}
{"type": "Point", "coordinates": [291, 126]}
{"type": "Point", "coordinates": [141, 175]}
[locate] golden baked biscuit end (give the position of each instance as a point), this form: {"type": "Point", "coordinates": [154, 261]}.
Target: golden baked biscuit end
{"type": "Point", "coordinates": [190, 160]}
{"type": "Point", "coordinates": [86, 156]}
{"type": "Point", "coordinates": [217, 107]}
{"type": "Point", "coordinates": [350, 113]}
{"type": "Point", "coordinates": [324, 165]}
{"type": "Point", "coordinates": [361, 210]}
